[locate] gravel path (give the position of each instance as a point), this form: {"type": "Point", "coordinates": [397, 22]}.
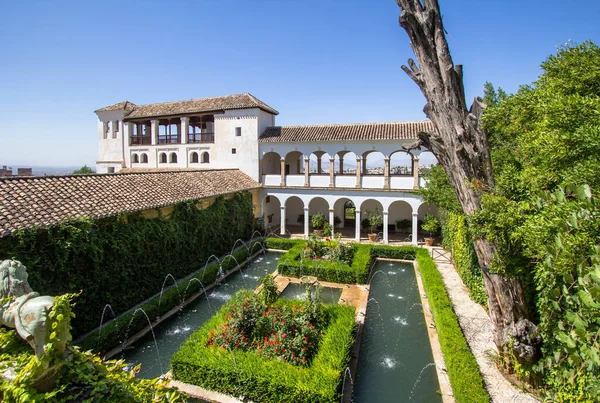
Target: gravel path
{"type": "Point", "coordinates": [477, 329]}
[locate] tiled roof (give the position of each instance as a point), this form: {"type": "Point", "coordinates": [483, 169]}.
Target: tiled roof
{"type": "Point", "coordinates": [44, 201]}
{"type": "Point", "coordinates": [352, 131]}
{"type": "Point", "coordinates": [227, 102]}
{"type": "Point", "coordinates": [121, 106]}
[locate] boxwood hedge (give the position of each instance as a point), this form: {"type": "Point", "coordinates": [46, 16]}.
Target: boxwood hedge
{"type": "Point", "coordinates": [260, 379]}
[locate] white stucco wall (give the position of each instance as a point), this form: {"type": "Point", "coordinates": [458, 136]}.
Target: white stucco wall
{"type": "Point", "coordinates": [110, 149]}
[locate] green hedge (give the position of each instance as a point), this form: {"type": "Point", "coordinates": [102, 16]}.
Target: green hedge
{"type": "Point", "coordinates": [456, 238]}
{"type": "Point", "coordinates": [463, 371]}
{"type": "Point", "coordinates": [260, 379]}
{"type": "Point", "coordinates": [394, 252]}
{"type": "Point", "coordinates": [110, 335]}
{"type": "Point", "coordinates": [282, 243]}
{"type": "Point", "coordinates": [109, 258]}
{"type": "Point", "coordinates": [289, 264]}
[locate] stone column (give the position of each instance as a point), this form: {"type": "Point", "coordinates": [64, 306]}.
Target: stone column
{"type": "Point", "coordinates": [386, 173]}
{"type": "Point", "coordinates": [385, 227]}
{"type": "Point", "coordinates": [415, 168]}
{"type": "Point", "coordinates": [357, 225]}
{"type": "Point", "coordinates": [282, 168]}
{"type": "Point", "coordinates": [282, 220]}
{"type": "Point", "coordinates": [154, 131]}
{"type": "Point", "coordinates": [358, 164]}
{"type": "Point", "coordinates": [306, 222]}
{"type": "Point", "coordinates": [185, 124]}
{"type": "Point", "coordinates": [341, 165]}
{"type": "Point", "coordinates": [332, 220]}
{"type": "Point", "coordinates": [331, 172]}
{"type": "Point", "coordinates": [364, 165]}
{"type": "Point", "coordinates": [415, 227]}
{"type": "Point", "coordinates": [319, 170]}
{"type": "Point", "coordinates": [306, 168]}
{"type": "Point", "coordinates": [127, 132]}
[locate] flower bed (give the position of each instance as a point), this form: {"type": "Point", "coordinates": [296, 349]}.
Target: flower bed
{"type": "Point", "coordinates": [267, 366]}
{"type": "Point", "coordinates": [356, 270]}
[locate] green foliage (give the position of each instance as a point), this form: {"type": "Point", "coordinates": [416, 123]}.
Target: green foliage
{"type": "Point", "coordinates": [292, 264]}
{"type": "Point", "coordinates": [282, 243]}
{"type": "Point", "coordinates": [393, 252]}
{"type": "Point", "coordinates": [461, 366]}
{"type": "Point", "coordinates": [108, 258]}
{"type": "Point", "coordinates": [84, 170]}
{"type": "Point", "coordinates": [111, 334]}
{"type": "Point", "coordinates": [269, 290]}
{"type": "Point", "coordinates": [375, 219]}
{"type": "Point", "coordinates": [457, 239]}
{"type": "Point", "coordinates": [431, 224]}
{"type": "Point", "coordinates": [438, 190]}
{"type": "Point", "coordinates": [318, 221]}
{"type": "Point", "coordinates": [542, 213]}
{"type": "Point", "coordinates": [80, 376]}
{"type": "Point", "coordinates": [259, 378]}
{"type": "Point", "coordinates": [403, 224]}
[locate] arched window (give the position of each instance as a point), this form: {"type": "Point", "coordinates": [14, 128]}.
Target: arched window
{"type": "Point", "coordinates": [144, 158]}
{"type": "Point", "coordinates": [163, 158]}
{"type": "Point", "coordinates": [136, 158]}
{"type": "Point", "coordinates": [349, 212]}
{"type": "Point", "coordinates": [194, 157]}
{"type": "Point", "coordinates": [205, 158]}
{"type": "Point", "coordinates": [173, 158]}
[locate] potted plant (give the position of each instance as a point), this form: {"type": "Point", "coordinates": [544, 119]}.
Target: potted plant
{"type": "Point", "coordinates": [318, 222]}
{"type": "Point", "coordinates": [431, 225]}
{"type": "Point", "coordinates": [375, 220]}
{"type": "Point", "coordinates": [336, 221]}
{"type": "Point", "coordinates": [403, 225]}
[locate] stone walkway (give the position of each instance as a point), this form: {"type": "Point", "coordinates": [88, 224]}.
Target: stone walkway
{"type": "Point", "coordinates": [477, 328]}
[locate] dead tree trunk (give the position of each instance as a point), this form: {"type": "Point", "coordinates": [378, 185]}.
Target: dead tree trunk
{"type": "Point", "coordinates": [461, 147]}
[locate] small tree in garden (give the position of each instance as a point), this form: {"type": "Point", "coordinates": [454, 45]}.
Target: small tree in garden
{"type": "Point", "coordinates": [269, 290]}
{"type": "Point", "coordinates": [375, 219]}
{"type": "Point", "coordinates": [431, 224]}
{"type": "Point", "coordinates": [318, 221]}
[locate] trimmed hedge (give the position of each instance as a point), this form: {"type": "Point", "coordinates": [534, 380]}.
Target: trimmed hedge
{"type": "Point", "coordinates": [282, 243]}
{"type": "Point", "coordinates": [112, 334]}
{"type": "Point", "coordinates": [394, 252]}
{"type": "Point", "coordinates": [456, 238]}
{"type": "Point", "coordinates": [123, 260]}
{"type": "Point", "coordinates": [462, 368]}
{"type": "Point", "coordinates": [290, 265]}
{"type": "Point", "coordinates": [248, 374]}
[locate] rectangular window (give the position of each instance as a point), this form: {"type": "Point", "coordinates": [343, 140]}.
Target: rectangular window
{"type": "Point", "coordinates": [110, 170]}
{"type": "Point", "coordinates": [116, 129]}
{"type": "Point", "coordinates": [238, 131]}
{"type": "Point", "coordinates": [106, 129]}
{"type": "Point", "coordinates": [233, 151]}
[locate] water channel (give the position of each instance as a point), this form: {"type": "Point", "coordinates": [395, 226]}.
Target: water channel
{"type": "Point", "coordinates": [395, 354]}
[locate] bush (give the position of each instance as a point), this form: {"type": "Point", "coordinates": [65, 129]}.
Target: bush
{"type": "Point", "coordinates": [258, 378]}
{"type": "Point", "coordinates": [394, 252]}
{"type": "Point", "coordinates": [109, 258]}
{"type": "Point", "coordinates": [462, 368]}
{"type": "Point", "coordinates": [282, 243]}
{"type": "Point", "coordinates": [456, 238]}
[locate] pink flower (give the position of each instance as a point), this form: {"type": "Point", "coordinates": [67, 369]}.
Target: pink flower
{"type": "Point", "coordinates": [283, 336]}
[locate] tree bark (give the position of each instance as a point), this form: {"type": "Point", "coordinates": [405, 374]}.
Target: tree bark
{"type": "Point", "coordinates": [461, 147]}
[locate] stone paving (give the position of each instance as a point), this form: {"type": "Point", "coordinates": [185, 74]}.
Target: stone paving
{"type": "Point", "coordinates": [477, 328]}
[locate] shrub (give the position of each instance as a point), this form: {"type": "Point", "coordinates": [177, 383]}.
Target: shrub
{"type": "Point", "coordinates": [463, 371]}
{"type": "Point", "coordinates": [394, 252]}
{"type": "Point", "coordinates": [282, 243]}
{"type": "Point", "coordinates": [109, 258]}
{"type": "Point", "coordinates": [318, 220]}
{"type": "Point", "coordinates": [259, 378]}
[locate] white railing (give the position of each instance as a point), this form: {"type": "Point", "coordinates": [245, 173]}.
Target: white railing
{"type": "Point", "coordinates": [319, 181]}
{"type": "Point", "coordinates": [372, 182]}
{"type": "Point", "coordinates": [294, 180]}
{"type": "Point", "coordinates": [271, 180]}
{"type": "Point", "coordinates": [345, 181]}
{"type": "Point", "coordinates": [402, 182]}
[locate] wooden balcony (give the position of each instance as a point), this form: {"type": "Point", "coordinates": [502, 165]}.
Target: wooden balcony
{"type": "Point", "coordinates": [206, 138]}
{"type": "Point", "coordinates": [140, 140]}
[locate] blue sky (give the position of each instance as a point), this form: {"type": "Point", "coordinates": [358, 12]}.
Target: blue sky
{"type": "Point", "coordinates": [316, 61]}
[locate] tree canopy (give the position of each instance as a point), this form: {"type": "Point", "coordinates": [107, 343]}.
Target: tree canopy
{"type": "Point", "coordinates": [84, 170]}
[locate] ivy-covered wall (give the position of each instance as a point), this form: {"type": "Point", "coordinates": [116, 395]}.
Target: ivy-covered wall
{"type": "Point", "coordinates": [123, 260]}
{"type": "Point", "coordinates": [456, 238]}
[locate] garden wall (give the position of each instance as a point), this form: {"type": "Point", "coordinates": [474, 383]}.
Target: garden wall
{"type": "Point", "coordinates": [123, 260]}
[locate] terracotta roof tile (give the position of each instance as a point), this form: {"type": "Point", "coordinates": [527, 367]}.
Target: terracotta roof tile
{"type": "Point", "coordinates": [341, 132]}
{"type": "Point", "coordinates": [227, 102]}
{"type": "Point", "coordinates": [121, 106]}
{"type": "Point", "coordinates": [45, 201]}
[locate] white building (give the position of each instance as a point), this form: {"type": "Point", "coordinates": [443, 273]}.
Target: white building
{"type": "Point", "coordinates": [344, 171]}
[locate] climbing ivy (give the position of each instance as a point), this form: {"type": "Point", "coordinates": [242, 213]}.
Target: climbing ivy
{"type": "Point", "coordinates": [123, 260]}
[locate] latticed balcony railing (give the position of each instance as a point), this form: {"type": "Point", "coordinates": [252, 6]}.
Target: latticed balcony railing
{"type": "Point", "coordinates": [201, 138]}
{"type": "Point", "coordinates": [140, 140]}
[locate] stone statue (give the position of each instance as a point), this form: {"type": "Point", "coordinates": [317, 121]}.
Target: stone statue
{"type": "Point", "coordinates": [25, 310]}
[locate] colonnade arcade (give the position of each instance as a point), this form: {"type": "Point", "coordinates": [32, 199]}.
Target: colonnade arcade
{"type": "Point", "coordinates": [172, 130]}
{"type": "Point", "coordinates": [289, 213]}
